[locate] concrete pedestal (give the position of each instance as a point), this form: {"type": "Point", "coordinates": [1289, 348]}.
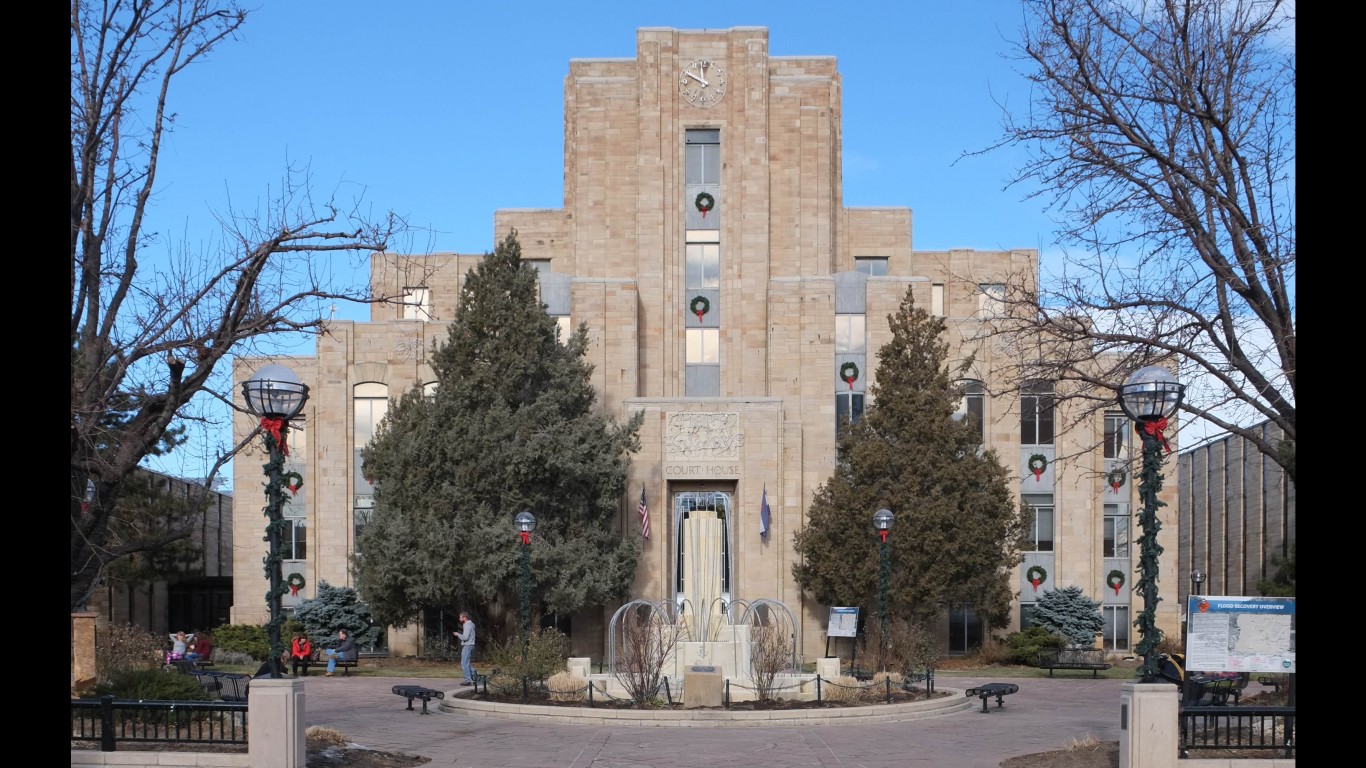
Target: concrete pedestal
{"type": "Point", "coordinates": [828, 668]}
{"type": "Point", "coordinates": [1148, 715]}
{"type": "Point", "coordinates": [277, 723]}
{"type": "Point", "coordinates": [703, 689]}
{"type": "Point", "coordinates": [82, 651]}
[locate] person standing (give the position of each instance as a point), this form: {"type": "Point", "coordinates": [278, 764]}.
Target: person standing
{"type": "Point", "coordinates": [300, 651]}
{"type": "Point", "coordinates": [466, 637]}
{"type": "Point", "coordinates": [345, 647]}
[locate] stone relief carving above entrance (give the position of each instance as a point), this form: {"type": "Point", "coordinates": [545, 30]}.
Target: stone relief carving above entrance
{"type": "Point", "coordinates": [695, 436]}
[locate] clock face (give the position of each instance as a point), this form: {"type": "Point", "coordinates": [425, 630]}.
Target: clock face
{"type": "Point", "coordinates": [702, 83]}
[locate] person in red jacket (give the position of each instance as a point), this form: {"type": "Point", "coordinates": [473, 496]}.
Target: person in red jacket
{"type": "Point", "coordinates": [300, 652]}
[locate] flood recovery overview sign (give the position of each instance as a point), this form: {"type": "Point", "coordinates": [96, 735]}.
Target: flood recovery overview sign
{"type": "Point", "coordinates": [1240, 634]}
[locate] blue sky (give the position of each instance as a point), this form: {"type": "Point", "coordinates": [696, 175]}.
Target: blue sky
{"type": "Point", "coordinates": [447, 111]}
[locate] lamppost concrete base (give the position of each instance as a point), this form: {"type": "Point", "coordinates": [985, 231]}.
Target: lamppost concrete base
{"type": "Point", "coordinates": [1148, 717]}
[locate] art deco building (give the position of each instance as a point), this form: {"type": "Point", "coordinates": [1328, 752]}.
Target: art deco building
{"type": "Point", "coordinates": [732, 297]}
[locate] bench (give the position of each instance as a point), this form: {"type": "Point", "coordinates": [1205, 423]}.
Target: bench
{"type": "Point", "coordinates": [1214, 689]}
{"type": "Point", "coordinates": [320, 658]}
{"type": "Point", "coordinates": [1074, 658]}
{"type": "Point", "coordinates": [411, 692]}
{"type": "Point", "coordinates": [1271, 681]}
{"type": "Point", "coordinates": [999, 690]}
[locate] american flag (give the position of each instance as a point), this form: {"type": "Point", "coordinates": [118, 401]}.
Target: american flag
{"type": "Point", "coordinates": [644, 515]}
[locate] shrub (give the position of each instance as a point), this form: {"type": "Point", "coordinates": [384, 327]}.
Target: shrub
{"type": "Point", "coordinates": [1069, 612]}
{"type": "Point", "coordinates": [337, 608]}
{"type": "Point", "coordinates": [842, 688]}
{"type": "Point", "coordinates": [911, 646]}
{"type": "Point", "coordinates": [249, 639]}
{"type": "Point", "coordinates": [323, 736]}
{"type": "Point", "coordinates": [152, 684]}
{"type": "Point", "coordinates": [994, 650]}
{"type": "Point", "coordinates": [544, 652]}
{"type": "Point", "coordinates": [1024, 647]}
{"type": "Point", "coordinates": [566, 687]}
{"type": "Point", "coordinates": [127, 647]}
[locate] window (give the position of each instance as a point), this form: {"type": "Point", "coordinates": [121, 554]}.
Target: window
{"type": "Point", "coordinates": [848, 411]}
{"type": "Point", "coordinates": [429, 390]}
{"type": "Point", "coordinates": [704, 346]}
{"type": "Point", "coordinates": [294, 542]}
{"type": "Point", "coordinates": [1116, 531]}
{"type": "Point", "coordinates": [937, 299]}
{"type": "Point", "coordinates": [850, 334]}
{"type": "Point", "coordinates": [371, 401]}
{"type": "Point", "coordinates": [991, 300]}
{"type": "Point", "coordinates": [566, 328]}
{"type": "Point", "coordinates": [1027, 615]}
{"type": "Point", "coordinates": [973, 406]}
{"type": "Point", "coordinates": [1116, 632]}
{"type": "Point", "coordinates": [1036, 413]}
{"type": "Point", "coordinates": [702, 156]}
{"type": "Point", "coordinates": [361, 514]}
{"type": "Point", "coordinates": [872, 266]}
{"type": "Point", "coordinates": [542, 267]}
{"type": "Point", "coordinates": [1116, 428]}
{"type": "Point", "coordinates": [1040, 535]}
{"type": "Point", "coordinates": [702, 263]}
{"type": "Point", "coordinates": [417, 304]}
{"type": "Point", "coordinates": [965, 629]}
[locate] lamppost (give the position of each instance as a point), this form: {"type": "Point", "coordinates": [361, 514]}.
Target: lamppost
{"type": "Point", "coordinates": [276, 395]}
{"type": "Point", "coordinates": [882, 521]}
{"type": "Point", "coordinates": [1149, 396]}
{"type": "Point", "coordinates": [526, 523]}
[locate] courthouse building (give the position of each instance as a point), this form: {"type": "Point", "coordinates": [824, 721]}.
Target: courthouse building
{"type": "Point", "coordinates": [731, 296]}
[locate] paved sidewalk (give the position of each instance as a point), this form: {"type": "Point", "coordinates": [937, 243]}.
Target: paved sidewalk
{"type": "Point", "coordinates": [1046, 714]}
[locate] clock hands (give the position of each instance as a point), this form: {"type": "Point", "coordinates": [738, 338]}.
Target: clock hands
{"type": "Point", "coordinates": [696, 77]}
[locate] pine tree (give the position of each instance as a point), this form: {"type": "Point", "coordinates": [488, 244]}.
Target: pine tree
{"type": "Point", "coordinates": [335, 608]}
{"type": "Point", "coordinates": [958, 531]}
{"type": "Point", "coordinates": [1069, 613]}
{"type": "Point", "coordinates": [512, 427]}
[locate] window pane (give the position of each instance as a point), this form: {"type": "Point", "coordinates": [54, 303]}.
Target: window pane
{"type": "Point", "coordinates": [850, 334]}
{"type": "Point", "coordinates": [1116, 428]}
{"type": "Point", "coordinates": [937, 299]}
{"type": "Point", "coordinates": [703, 345]}
{"type": "Point", "coordinates": [702, 266]}
{"type": "Point", "coordinates": [873, 266]}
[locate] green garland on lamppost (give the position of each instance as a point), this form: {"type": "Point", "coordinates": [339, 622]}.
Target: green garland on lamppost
{"type": "Point", "coordinates": [882, 521]}
{"type": "Point", "coordinates": [1149, 396]}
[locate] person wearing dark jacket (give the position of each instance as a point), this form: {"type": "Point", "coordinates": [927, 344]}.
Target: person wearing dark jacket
{"type": "Point", "coordinates": [345, 651]}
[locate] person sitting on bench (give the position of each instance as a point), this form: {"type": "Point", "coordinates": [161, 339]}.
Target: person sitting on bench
{"type": "Point", "coordinates": [300, 651]}
{"type": "Point", "coordinates": [344, 650]}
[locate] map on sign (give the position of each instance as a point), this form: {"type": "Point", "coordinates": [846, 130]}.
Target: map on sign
{"type": "Point", "coordinates": [843, 622]}
{"type": "Point", "coordinates": [1241, 634]}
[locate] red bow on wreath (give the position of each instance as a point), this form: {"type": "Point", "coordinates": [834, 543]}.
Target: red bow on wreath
{"type": "Point", "coordinates": [1156, 428]}
{"type": "Point", "coordinates": [275, 428]}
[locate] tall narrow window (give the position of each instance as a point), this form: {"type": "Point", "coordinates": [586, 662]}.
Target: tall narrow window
{"type": "Point", "coordinates": [1036, 413]}
{"type": "Point", "coordinates": [702, 156]}
{"type": "Point", "coordinates": [1116, 429]}
{"type": "Point", "coordinates": [937, 299]}
{"type": "Point", "coordinates": [702, 263]}
{"type": "Point", "coordinates": [973, 406]}
{"type": "Point", "coordinates": [965, 629]}
{"type": "Point", "coordinates": [417, 304]}
{"type": "Point", "coordinates": [1116, 541]}
{"type": "Point", "coordinates": [851, 334]}
{"type": "Point", "coordinates": [991, 300]}
{"type": "Point", "coordinates": [566, 328]}
{"type": "Point", "coordinates": [370, 402]}
{"type": "Point", "coordinates": [1116, 631]}
{"type": "Point", "coordinates": [848, 411]}
{"type": "Point", "coordinates": [1040, 536]}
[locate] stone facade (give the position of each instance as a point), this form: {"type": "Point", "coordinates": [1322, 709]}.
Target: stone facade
{"type": "Point", "coordinates": [616, 257]}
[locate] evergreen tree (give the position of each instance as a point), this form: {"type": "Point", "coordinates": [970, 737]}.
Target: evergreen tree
{"type": "Point", "coordinates": [1282, 582]}
{"type": "Point", "coordinates": [337, 608]}
{"type": "Point", "coordinates": [958, 531]}
{"type": "Point", "coordinates": [1070, 614]}
{"type": "Point", "coordinates": [512, 427]}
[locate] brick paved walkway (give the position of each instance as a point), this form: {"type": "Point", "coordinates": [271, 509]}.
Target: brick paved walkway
{"type": "Point", "coordinates": [1045, 715]}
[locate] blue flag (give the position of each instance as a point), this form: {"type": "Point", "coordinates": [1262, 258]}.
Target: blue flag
{"type": "Point", "coordinates": [764, 515]}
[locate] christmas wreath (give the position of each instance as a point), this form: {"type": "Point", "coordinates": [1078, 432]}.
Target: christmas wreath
{"type": "Point", "coordinates": [295, 582]}
{"type": "Point", "coordinates": [1115, 478]}
{"type": "Point", "coordinates": [1037, 464]}
{"type": "Point", "coordinates": [704, 202]}
{"type": "Point", "coordinates": [1115, 579]}
{"type": "Point", "coordinates": [1036, 574]}
{"type": "Point", "coordinates": [849, 372]}
{"type": "Point", "coordinates": [700, 306]}
{"type": "Point", "coordinates": [294, 481]}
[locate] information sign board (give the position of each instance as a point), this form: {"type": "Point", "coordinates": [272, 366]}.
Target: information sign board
{"type": "Point", "coordinates": [843, 622]}
{"type": "Point", "coordinates": [1240, 634]}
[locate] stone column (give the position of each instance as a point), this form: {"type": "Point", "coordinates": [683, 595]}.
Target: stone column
{"type": "Point", "coordinates": [276, 723]}
{"type": "Point", "coordinates": [82, 651]}
{"type": "Point", "coordinates": [1149, 714]}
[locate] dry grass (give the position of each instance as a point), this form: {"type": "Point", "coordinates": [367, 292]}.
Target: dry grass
{"type": "Point", "coordinates": [842, 688]}
{"type": "Point", "coordinates": [566, 687]}
{"type": "Point", "coordinates": [322, 736]}
{"type": "Point", "coordinates": [1086, 743]}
